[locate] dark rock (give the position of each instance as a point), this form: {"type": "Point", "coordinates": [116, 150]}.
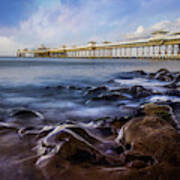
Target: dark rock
{"type": "Point", "coordinates": [110, 81]}
{"type": "Point", "coordinates": [99, 89]}
{"type": "Point", "coordinates": [136, 91]}
{"type": "Point", "coordinates": [130, 157]}
{"type": "Point", "coordinates": [74, 88]}
{"type": "Point", "coordinates": [137, 164]}
{"type": "Point", "coordinates": [118, 123]}
{"type": "Point", "coordinates": [105, 131]}
{"type": "Point", "coordinates": [69, 142]}
{"type": "Point", "coordinates": [151, 75]}
{"type": "Point", "coordinates": [153, 135]}
{"type": "Point", "coordinates": [47, 87]}
{"type": "Point", "coordinates": [7, 126]}
{"type": "Point", "coordinates": [26, 113]}
{"type": "Point", "coordinates": [173, 92]}
{"type": "Point", "coordinates": [109, 97]}
{"type": "Point", "coordinates": [140, 91]}
{"type": "Point", "coordinates": [163, 70]}
{"type": "Point", "coordinates": [174, 84]}
{"type": "Point", "coordinates": [119, 149]}
{"type": "Point", "coordinates": [162, 75]}
{"type": "Point", "coordinates": [140, 72]}
{"type": "Point", "coordinates": [60, 87]}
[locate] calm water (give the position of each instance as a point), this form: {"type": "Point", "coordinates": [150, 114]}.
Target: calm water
{"type": "Point", "coordinates": [58, 88]}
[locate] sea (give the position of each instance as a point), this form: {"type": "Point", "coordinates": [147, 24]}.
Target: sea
{"type": "Point", "coordinates": [67, 90]}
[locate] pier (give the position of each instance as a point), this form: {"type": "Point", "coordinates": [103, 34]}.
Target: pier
{"type": "Point", "coordinates": [162, 45]}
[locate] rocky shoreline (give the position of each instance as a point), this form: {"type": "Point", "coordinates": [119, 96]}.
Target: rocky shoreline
{"type": "Point", "coordinates": [143, 145]}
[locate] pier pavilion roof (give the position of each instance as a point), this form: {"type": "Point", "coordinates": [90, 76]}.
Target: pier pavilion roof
{"type": "Point", "coordinates": [160, 32]}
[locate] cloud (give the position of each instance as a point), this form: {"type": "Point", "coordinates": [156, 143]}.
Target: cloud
{"type": "Point", "coordinates": [8, 46]}
{"type": "Point", "coordinates": [59, 22]}
{"type": "Point", "coordinates": [170, 26]}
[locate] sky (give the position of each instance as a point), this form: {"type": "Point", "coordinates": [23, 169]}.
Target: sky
{"type": "Point", "coordinates": [30, 23]}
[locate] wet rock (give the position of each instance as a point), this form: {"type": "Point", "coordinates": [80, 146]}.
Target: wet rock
{"type": "Point", "coordinates": [173, 92]}
{"type": "Point", "coordinates": [60, 87]}
{"type": "Point", "coordinates": [162, 70]}
{"type": "Point", "coordinates": [111, 81]}
{"type": "Point", "coordinates": [109, 97]}
{"type": "Point", "coordinates": [162, 171]}
{"type": "Point", "coordinates": [162, 75]}
{"type": "Point", "coordinates": [164, 112]}
{"type": "Point", "coordinates": [131, 156]}
{"type": "Point", "coordinates": [26, 114]}
{"type": "Point", "coordinates": [16, 156]}
{"type": "Point", "coordinates": [74, 88]}
{"type": "Point", "coordinates": [176, 111]}
{"type": "Point", "coordinates": [140, 72]}
{"type": "Point", "coordinates": [118, 123]}
{"type": "Point", "coordinates": [47, 87]}
{"type": "Point", "coordinates": [38, 132]}
{"type": "Point", "coordinates": [174, 84]}
{"type": "Point", "coordinates": [69, 143]}
{"type": "Point", "coordinates": [140, 91]}
{"type": "Point", "coordinates": [151, 75]}
{"type": "Point", "coordinates": [131, 75]}
{"type": "Point", "coordinates": [8, 126]}
{"type": "Point", "coordinates": [153, 135]}
{"type": "Point", "coordinates": [119, 149]}
{"type": "Point", "coordinates": [105, 131]}
{"type": "Point", "coordinates": [97, 90]}
{"type": "Point", "coordinates": [137, 164]}
{"type": "Point", "coordinates": [136, 91]}
{"type": "Point", "coordinates": [155, 144]}
{"type": "Point", "coordinates": [177, 79]}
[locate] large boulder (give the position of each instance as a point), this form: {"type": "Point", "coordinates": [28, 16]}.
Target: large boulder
{"type": "Point", "coordinates": [153, 137]}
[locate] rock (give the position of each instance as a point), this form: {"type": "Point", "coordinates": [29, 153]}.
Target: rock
{"type": "Point", "coordinates": [153, 135]}
{"type": "Point", "coordinates": [162, 70]}
{"type": "Point", "coordinates": [26, 114]}
{"type": "Point", "coordinates": [97, 90]}
{"type": "Point", "coordinates": [176, 110]}
{"type": "Point", "coordinates": [177, 79]}
{"type": "Point", "coordinates": [173, 92]}
{"type": "Point", "coordinates": [136, 91]}
{"type": "Point", "coordinates": [140, 91]}
{"type": "Point", "coordinates": [8, 126]}
{"type": "Point", "coordinates": [74, 88]}
{"type": "Point", "coordinates": [151, 75]}
{"type": "Point", "coordinates": [137, 164]}
{"type": "Point", "coordinates": [60, 87]}
{"type": "Point", "coordinates": [109, 97]}
{"type": "Point", "coordinates": [140, 72]}
{"type": "Point", "coordinates": [130, 75]}
{"type": "Point", "coordinates": [174, 84]}
{"type": "Point", "coordinates": [155, 144]}
{"type": "Point", "coordinates": [70, 143]}
{"type": "Point", "coordinates": [117, 123]}
{"type": "Point", "coordinates": [39, 132]}
{"type": "Point", "coordinates": [105, 131]}
{"type": "Point", "coordinates": [162, 75]}
{"type": "Point", "coordinates": [164, 112]}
